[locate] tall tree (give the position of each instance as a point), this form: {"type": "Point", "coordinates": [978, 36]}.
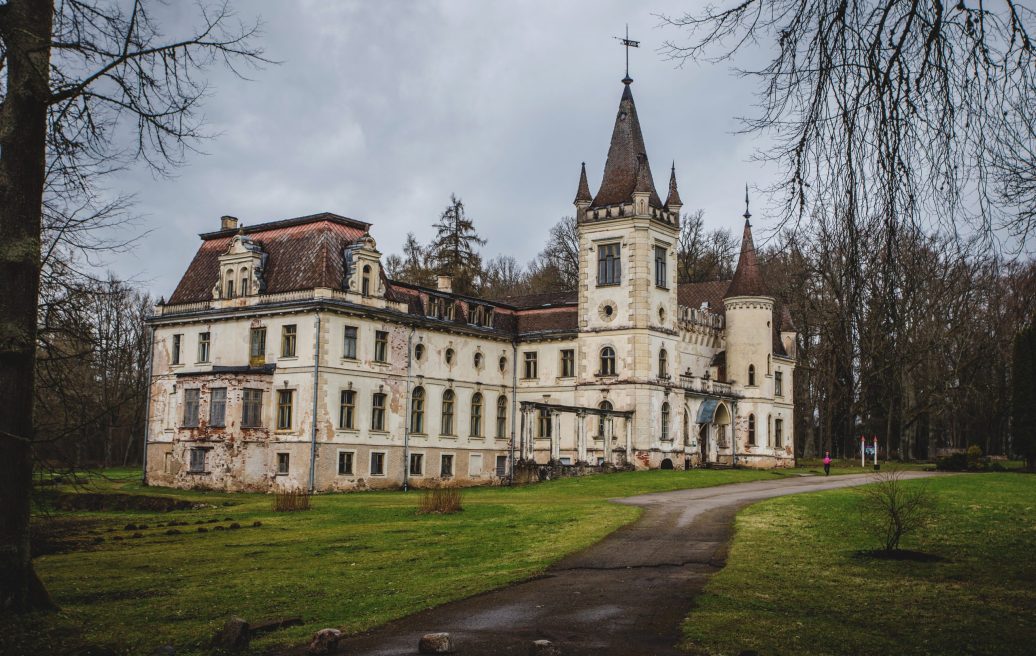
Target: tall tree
{"type": "Point", "coordinates": [702, 256]}
{"type": "Point", "coordinates": [73, 74]}
{"type": "Point", "coordinates": [454, 250]}
{"type": "Point", "coordinates": [916, 112]}
{"type": "Point", "coordinates": [560, 255]}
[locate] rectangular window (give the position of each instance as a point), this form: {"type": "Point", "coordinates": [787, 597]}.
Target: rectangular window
{"type": "Point", "coordinates": [417, 464]}
{"type": "Point", "coordinates": [347, 410]}
{"type": "Point", "coordinates": [285, 402]}
{"type": "Point", "coordinates": [251, 408]}
{"type": "Point", "coordinates": [568, 363]}
{"type": "Point", "coordinates": [203, 347]}
{"type": "Point", "coordinates": [289, 336]}
{"type": "Point", "coordinates": [530, 364]}
{"type": "Point", "coordinates": [377, 463]}
{"type": "Point", "coordinates": [218, 406]}
{"type": "Point", "coordinates": [380, 346]}
{"type": "Point", "coordinates": [198, 460]}
{"type": "Point", "coordinates": [778, 383]}
{"type": "Point", "coordinates": [501, 466]}
{"type": "Point", "coordinates": [190, 407]}
{"type": "Point", "coordinates": [378, 412]}
{"type": "Point", "coordinates": [501, 417]}
{"type": "Point", "coordinates": [257, 346]}
{"type": "Point", "coordinates": [609, 267]}
{"type": "Point", "coordinates": [778, 432]}
{"type": "Point", "coordinates": [345, 463]}
{"type": "Point", "coordinates": [546, 428]}
{"type": "Point", "coordinates": [661, 278]}
{"type": "Point", "coordinates": [475, 464]}
{"type": "Point", "coordinates": [349, 346]}
{"type": "Point", "coordinates": [282, 464]}
{"type": "Point", "coordinates": [446, 466]}
{"type": "Point", "coordinates": [177, 340]}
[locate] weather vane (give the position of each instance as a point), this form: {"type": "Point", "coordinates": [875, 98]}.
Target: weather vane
{"type": "Point", "coordinates": [628, 44]}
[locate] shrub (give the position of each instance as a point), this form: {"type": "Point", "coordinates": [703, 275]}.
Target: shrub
{"type": "Point", "coordinates": [443, 498]}
{"type": "Point", "coordinates": [953, 462]}
{"type": "Point", "coordinates": [291, 501]}
{"type": "Point", "coordinates": [974, 457]}
{"type": "Point", "coordinates": [893, 509]}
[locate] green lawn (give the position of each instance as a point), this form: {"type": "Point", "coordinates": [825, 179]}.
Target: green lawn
{"type": "Point", "coordinates": [354, 561]}
{"type": "Point", "coordinates": [793, 584]}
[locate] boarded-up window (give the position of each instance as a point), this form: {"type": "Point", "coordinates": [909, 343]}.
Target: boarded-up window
{"type": "Point", "coordinates": [475, 464]}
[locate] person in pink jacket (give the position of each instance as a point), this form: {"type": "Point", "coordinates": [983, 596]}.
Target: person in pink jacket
{"type": "Point", "coordinates": [827, 463]}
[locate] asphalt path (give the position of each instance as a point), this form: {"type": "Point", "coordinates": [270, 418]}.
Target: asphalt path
{"type": "Point", "coordinates": [627, 594]}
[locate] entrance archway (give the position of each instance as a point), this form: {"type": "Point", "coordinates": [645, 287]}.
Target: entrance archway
{"type": "Point", "coordinates": [667, 463]}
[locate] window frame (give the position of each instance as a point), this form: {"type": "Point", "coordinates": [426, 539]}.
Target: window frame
{"type": "Point", "coordinates": [347, 409]}
{"type": "Point", "coordinates": [609, 264]}
{"type": "Point", "coordinates": [350, 342]}
{"type": "Point", "coordinates": [445, 472]}
{"type": "Point", "coordinates": [472, 457]}
{"type": "Point", "coordinates": [447, 415]}
{"type": "Point", "coordinates": [410, 464]}
{"type": "Point", "coordinates": [778, 432]}
{"type": "Point", "coordinates": [568, 363]}
{"type": "Point", "coordinates": [418, 397]}
{"type": "Point", "coordinates": [661, 267]}
{"type": "Point", "coordinates": [544, 423]}
{"type": "Point", "coordinates": [607, 361]}
{"type": "Point", "coordinates": [751, 430]}
{"type": "Point", "coordinates": [381, 462]}
{"type": "Point", "coordinates": [351, 461]}
{"type": "Point", "coordinates": [191, 399]}
{"type": "Point", "coordinates": [378, 411]}
{"type": "Point", "coordinates": [663, 363]}
{"type": "Point", "coordinates": [501, 417]}
{"type": "Point", "coordinates": [530, 370]}
{"type": "Point", "coordinates": [204, 347]}
{"type": "Point", "coordinates": [289, 340]}
{"type": "Point", "coordinates": [285, 410]}
{"type": "Point", "coordinates": [751, 375]}
{"type": "Point", "coordinates": [778, 383]}
{"type": "Point", "coordinates": [221, 420]}
{"type": "Point", "coordinates": [204, 457]}
{"type": "Point", "coordinates": [665, 412]}
{"type": "Point", "coordinates": [476, 415]}
{"type": "Point", "coordinates": [257, 343]}
{"type": "Point", "coordinates": [283, 463]}
{"type": "Point", "coordinates": [177, 349]}
{"type": "Point", "coordinates": [256, 403]}
{"type": "Point", "coordinates": [381, 339]}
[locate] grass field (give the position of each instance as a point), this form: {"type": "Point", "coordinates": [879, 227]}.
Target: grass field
{"type": "Point", "coordinates": [353, 561]}
{"type": "Point", "coordinates": [794, 583]}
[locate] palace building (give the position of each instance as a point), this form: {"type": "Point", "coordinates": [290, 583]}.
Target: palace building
{"type": "Point", "coordinates": [285, 358]}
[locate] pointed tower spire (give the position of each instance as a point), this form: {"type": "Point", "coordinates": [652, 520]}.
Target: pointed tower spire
{"type": "Point", "coordinates": [626, 157]}
{"type": "Point", "coordinates": [583, 193]}
{"type": "Point", "coordinates": [748, 279]}
{"type": "Point", "coordinates": [673, 200]}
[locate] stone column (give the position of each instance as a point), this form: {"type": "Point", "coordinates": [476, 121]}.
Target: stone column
{"type": "Point", "coordinates": [629, 440]}
{"type": "Point", "coordinates": [581, 435]}
{"type": "Point", "coordinates": [609, 430]}
{"type": "Point", "coordinates": [555, 436]}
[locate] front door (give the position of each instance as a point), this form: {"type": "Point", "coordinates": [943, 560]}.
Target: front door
{"type": "Point", "coordinates": [703, 441]}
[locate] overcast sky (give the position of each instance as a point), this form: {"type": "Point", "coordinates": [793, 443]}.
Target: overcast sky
{"type": "Point", "coordinates": [380, 110]}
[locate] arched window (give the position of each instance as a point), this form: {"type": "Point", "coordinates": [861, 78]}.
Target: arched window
{"type": "Point", "coordinates": [501, 416]}
{"type": "Point", "coordinates": [366, 284]}
{"type": "Point", "coordinates": [602, 420]}
{"type": "Point", "coordinates": [244, 286]}
{"type": "Point", "coordinates": [447, 412]}
{"type": "Point", "coordinates": [230, 284]}
{"type": "Point", "coordinates": [665, 421]}
{"type": "Point", "coordinates": [476, 415]}
{"type": "Point", "coordinates": [751, 430]}
{"type": "Point", "coordinates": [663, 364]}
{"type": "Point", "coordinates": [417, 411]}
{"type": "Point", "coordinates": [478, 360]}
{"type": "Point", "coordinates": [769, 430]}
{"type": "Point", "coordinates": [751, 375]}
{"type": "Point", "coordinates": [607, 361]}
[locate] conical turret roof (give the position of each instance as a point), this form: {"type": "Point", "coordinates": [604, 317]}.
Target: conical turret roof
{"type": "Point", "coordinates": [674, 194]}
{"type": "Point", "coordinates": [748, 279]}
{"type": "Point", "coordinates": [583, 193]}
{"type": "Point", "coordinates": [626, 157]}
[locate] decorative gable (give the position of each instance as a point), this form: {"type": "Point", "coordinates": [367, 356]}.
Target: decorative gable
{"type": "Point", "coordinates": [363, 268]}
{"type": "Point", "coordinates": [241, 269]}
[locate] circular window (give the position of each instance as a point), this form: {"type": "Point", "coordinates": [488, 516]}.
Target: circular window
{"type": "Point", "coordinates": [503, 363]}
{"type": "Point", "coordinates": [419, 351]}
{"type": "Point", "coordinates": [478, 360]}
{"type": "Point", "coordinates": [606, 311]}
{"type": "Point", "coordinates": [449, 356]}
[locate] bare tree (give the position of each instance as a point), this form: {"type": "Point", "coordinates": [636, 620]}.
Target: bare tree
{"type": "Point", "coordinates": [561, 253]}
{"type": "Point", "coordinates": [895, 508]}
{"type": "Point", "coordinates": [908, 111]}
{"type": "Point", "coordinates": [702, 256]}
{"type": "Point", "coordinates": [75, 74]}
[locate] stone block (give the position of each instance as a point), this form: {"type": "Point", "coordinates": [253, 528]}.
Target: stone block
{"type": "Point", "coordinates": [435, 643]}
{"type": "Point", "coordinates": [234, 636]}
{"type": "Point", "coordinates": [324, 641]}
{"type": "Point", "coordinates": [544, 648]}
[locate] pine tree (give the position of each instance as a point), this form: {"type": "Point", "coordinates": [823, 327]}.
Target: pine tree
{"type": "Point", "coordinates": [454, 252]}
{"type": "Point", "coordinates": [1024, 396]}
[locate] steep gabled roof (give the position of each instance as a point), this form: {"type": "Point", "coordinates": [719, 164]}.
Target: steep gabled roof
{"type": "Point", "coordinates": [674, 194]}
{"type": "Point", "coordinates": [583, 193]}
{"type": "Point", "coordinates": [626, 156]}
{"type": "Point", "coordinates": [304, 253]}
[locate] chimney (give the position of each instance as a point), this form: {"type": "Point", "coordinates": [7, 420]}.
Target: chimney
{"type": "Point", "coordinates": [228, 222]}
{"type": "Point", "coordinates": [445, 284]}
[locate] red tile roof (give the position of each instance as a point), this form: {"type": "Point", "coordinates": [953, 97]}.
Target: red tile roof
{"type": "Point", "coordinates": [748, 279]}
{"type": "Point", "coordinates": [693, 294]}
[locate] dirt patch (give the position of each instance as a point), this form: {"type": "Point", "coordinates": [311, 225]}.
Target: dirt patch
{"type": "Point", "coordinates": [900, 554]}
{"type": "Point", "coordinates": [97, 502]}
{"type": "Point", "coordinates": [62, 535]}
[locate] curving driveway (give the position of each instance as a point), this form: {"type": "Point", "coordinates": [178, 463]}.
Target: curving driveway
{"type": "Point", "coordinates": [627, 594]}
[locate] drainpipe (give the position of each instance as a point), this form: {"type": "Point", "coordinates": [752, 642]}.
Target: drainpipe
{"type": "Point", "coordinates": [406, 410]}
{"type": "Point", "coordinates": [733, 435]}
{"type": "Point", "coordinates": [147, 404]}
{"type": "Point", "coordinates": [514, 406]}
{"type": "Point", "coordinates": [313, 431]}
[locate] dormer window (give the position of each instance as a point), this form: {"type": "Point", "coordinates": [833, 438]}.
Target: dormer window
{"type": "Point", "coordinates": [229, 293]}
{"type": "Point", "coordinates": [242, 268]}
{"type": "Point", "coordinates": [366, 284]}
{"type": "Point", "coordinates": [244, 286]}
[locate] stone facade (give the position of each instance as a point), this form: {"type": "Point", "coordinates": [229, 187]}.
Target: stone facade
{"type": "Point", "coordinates": [286, 359]}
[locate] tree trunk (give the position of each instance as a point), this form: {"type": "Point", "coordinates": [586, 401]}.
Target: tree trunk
{"type": "Point", "coordinates": [25, 27]}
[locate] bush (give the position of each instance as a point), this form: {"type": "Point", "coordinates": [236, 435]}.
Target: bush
{"type": "Point", "coordinates": [953, 462]}
{"type": "Point", "coordinates": [974, 457]}
{"type": "Point", "coordinates": [894, 509]}
{"type": "Point", "coordinates": [443, 499]}
{"type": "Point", "coordinates": [291, 501]}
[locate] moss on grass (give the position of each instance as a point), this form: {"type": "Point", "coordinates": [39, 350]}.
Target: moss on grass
{"type": "Point", "coordinates": [794, 583]}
